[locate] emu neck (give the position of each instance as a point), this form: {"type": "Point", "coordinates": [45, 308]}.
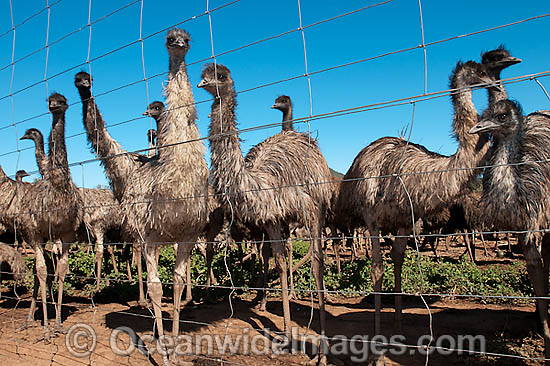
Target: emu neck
{"type": "Point", "coordinates": [118, 168]}
{"type": "Point", "coordinates": [502, 183]}
{"type": "Point", "coordinates": [287, 119]}
{"type": "Point", "coordinates": [473, 148]}
{"type": "Point", "coordinates": [494, 94]}
{"type": "Point", "coordinates": [40, 155]}
{"type": "Point", "coordinates": [179, 124]}
{"type": "Point", "coordinates": [225, 147]}
{"type": "Point", "coordinates": [57, 153]}
{"type": "Point", "coordinates": [176, 63]}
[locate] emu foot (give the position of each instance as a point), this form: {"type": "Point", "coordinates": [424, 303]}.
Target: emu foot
{"type": "Point", "coordinates": [59, 329]}
{"type": "Point", "coordinates": [143, 303]}
{"type": "Point", "coordinates": [27, 323]}
{"type": "Point", "coordinates": [46, 336]}
{"type": "Point", "coordinates": [262, 305]}
{"type": "Point", "coordinates": [186, 302]}
{"type": "Point", "coordinates": [318, 360]}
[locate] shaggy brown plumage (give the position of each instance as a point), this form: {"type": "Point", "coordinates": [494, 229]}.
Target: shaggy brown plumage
{"type": "Point", "coordinates": [14, 260]}
{"type": "Point", "coordinates": [270, 187]}
{"type": "Point", "coordinates": [49, 209]}
{"type": "Point", "coordinates": [516, 187]}
{"type": "Point", "coordinates": [165, 199]}
{"type": "Point", "coordinates": [384, 203]}
{"type": "Point", "coordinates": [101, 210]}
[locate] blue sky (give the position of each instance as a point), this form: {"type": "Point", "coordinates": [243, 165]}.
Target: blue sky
{"type": "Point", "coordinates": [367, 33]}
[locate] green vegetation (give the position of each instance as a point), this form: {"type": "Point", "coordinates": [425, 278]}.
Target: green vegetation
{"type": "Point", "coordinates": [440, 275]}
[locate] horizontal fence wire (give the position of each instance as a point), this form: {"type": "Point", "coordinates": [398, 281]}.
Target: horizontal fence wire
{"type": "Point", "coordinates": [339, 113]}
{"type": "Point", "coordinates": [258, 42]}
{"type": "Point", "coordinates": [307, 120]}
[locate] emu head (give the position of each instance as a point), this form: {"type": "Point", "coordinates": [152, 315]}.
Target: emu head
{"type": "Point", "coordinates": [471, 73]}
{"type": "Point", "coordinates": [83, 80]}
{"type": "Point", "coordinates": [57, 104]}
{"type": "Point", "coordinates": [20, 174]}
{"type": "Point", "coordinates": [500, 119]}
{"type": "Point", "coordinates": [155, 110]}
{"type": "Point", "coordinates": [282, 103]}
{"type": "Point", "coordinates": [497, 60]}
{"type": "Point", "coordinates": [216, 78]}
{"type": "Point", "coordinates": [177, 41]}
{"type": "Point", "coordinates": [33, 134]}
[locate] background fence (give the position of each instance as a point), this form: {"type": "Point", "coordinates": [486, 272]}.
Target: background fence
{"type": "Point", "coordinates": [355, 70]}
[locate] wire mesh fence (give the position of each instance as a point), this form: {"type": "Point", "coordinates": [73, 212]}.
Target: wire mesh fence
{"type": "Point", "coordinates": [355, 72]}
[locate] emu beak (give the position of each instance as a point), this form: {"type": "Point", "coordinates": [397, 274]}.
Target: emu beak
{"type": "Point", "coordinates": [509, 61]}
{"type": "Point", "coordinates": [146, 113]}
{"type": "Point", "coordinates": [202, 84]}
{"type": "Point", "coordinates": [86, 83]}
{"type": "Point", "coordinates": [274, 106]}
{"type": "Point", "coordinates": [483, 126]}
{"type": "Point", "coordinates": [24, 137]}
{"type": "Point", "coordinates": [25, 174]}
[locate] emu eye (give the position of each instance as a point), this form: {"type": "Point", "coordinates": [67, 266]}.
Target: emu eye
{"type": "Point", "coordinates": [170, 40]}
{"type": "Point", "coordinates": [221, 77]}
{"type": "Point", "coordinates": [502, 117]}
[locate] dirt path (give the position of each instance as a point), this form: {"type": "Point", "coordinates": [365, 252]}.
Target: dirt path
{"type": "Point", "coordinates": [507, 329]}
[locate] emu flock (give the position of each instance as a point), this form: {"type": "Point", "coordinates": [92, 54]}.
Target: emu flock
{"type": "Point", "coordinates": [169, 197]}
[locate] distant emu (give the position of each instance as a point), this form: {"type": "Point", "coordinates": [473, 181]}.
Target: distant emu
{"type": "Point", "coordinates": [284, 104]}
{"type": "Point", "coordinates": [20, 174]}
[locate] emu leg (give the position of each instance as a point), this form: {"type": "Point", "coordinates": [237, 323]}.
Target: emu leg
{"type": "Point", "coordinates": [137, 253]}
{"type": "Point", "coordinates": [113, 259]}
{"type": "Point", "coordinates": [98, 260]}
{"type": "Point", "coordinates": [349, 242]}
{"type": "Point", "coordinates": [468, 245]}
{"type": "Point", "coordinates": [536, 275]}
{"type": "Point", "coordinates": [290, 250]}
{"type": "Point", "coordinates": [398, 255]}
{"type": "Point", "coordinates": [62, 269]}
{"type": "Point", "coordinates": [485, 252]}
{"type": "Point", "coordinates": [41, 275]}
{"type": "Point", "coordinates": [188, 287]}
{"type": "Point", "coordinates": [180, 276]}
{"type": "Point", "coordinates": [210, 278]}
{"type": "Point", "coordinates": [154, 291]}
{"type": "Point", "coordinates": [127, 259]}
{"type": "Point", "coordinates": [336, 247]}
{"type": "Point", "coordinates": [264, 259]}
{"type": "Point", "coordinates": [36, 287]}
{"type": "Point", "coordinates": [277, 246]}
{"type": "Point", "coordinates": [377, 271]}
{"type": "Point", "coordinates": [318, 274]}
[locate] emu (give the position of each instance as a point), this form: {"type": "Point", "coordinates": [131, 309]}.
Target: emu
{"type": "Point", "coordinates": [516, 187]}
{"type": "Point", "coordinates": [267, 188]}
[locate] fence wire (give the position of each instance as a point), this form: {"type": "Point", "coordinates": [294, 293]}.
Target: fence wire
{"type": "Point", "coordinates": [23, 348]}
